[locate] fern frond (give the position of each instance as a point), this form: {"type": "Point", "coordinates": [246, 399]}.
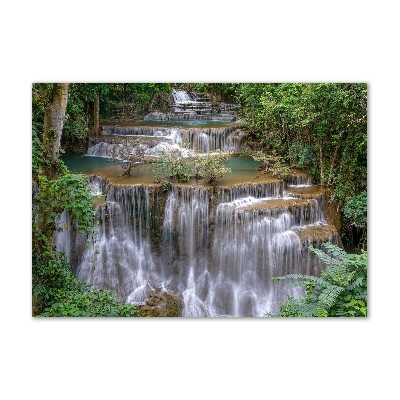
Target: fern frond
{"type": "Point", "coordinates": [341, 290]}
{"type": "Point", "coordinates": [309, 310]}
{"type": "Point", "coordinates": [305, 278]}
{"type": "Point", "coordinates": [321, 311]}
{"type": "Point", "coordinates": [295, 308]}
{"type": "Point", "coordinates": [325, 258]}
{"type": "Point", "coordinates": [361, 296]}
{"type": "Point", "coordinates": [290, 276]}
{"type": "Point", "coordinates": [356, 283]}
{"type": "Point", "coordinates": [336, 251]}
{"type": "Point", "coordinates": [329, 295]}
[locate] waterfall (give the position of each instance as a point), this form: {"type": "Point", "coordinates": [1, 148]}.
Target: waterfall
{"type": "Point", "coordinates": [119, 258]}
{"type": "Point", "coordinates": [182, 96]}
{"type": "Point", "coordinates": [219, 248]}
{"type": "Point", "coordinates": [299, 180]}
{"type": "Point", "coordinates": [135, 130]}
{"type": "Point", "coordinates": [122, 139]}
{"type": "Point", "coordinates": [194, 106]}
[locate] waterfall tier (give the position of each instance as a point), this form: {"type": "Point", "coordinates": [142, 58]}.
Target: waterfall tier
{"type": "Point", "coordinates": [121, 139]}
{"type": "Point", "coordinates": [194, 106]}
{"type": "Point", "coordinates": [217, 247]}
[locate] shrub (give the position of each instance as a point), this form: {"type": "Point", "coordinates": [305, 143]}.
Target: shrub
{"type": "Point", "coordinates": [341, 291]}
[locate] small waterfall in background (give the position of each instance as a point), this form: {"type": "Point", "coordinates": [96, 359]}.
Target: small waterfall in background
{"type": "Point", "coordinates": [194, 106]}
{"type": "Point", "coordinates": [182, 96]}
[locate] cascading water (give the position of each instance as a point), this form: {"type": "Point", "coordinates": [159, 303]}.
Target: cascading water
{"type": "Point", "coordinates": [194, 106]}
{"type": "Point", "coordinates": [215, 247]}
{"type": "Point", "coordinates": [182, 96]}
{"type": "Point", "coordinates": [119, 140]}
{"type": "Point", "coordinates": [219, 247]}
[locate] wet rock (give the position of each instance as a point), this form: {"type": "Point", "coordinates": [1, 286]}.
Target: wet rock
{"type": "Point", "coordinates": [162, 303]}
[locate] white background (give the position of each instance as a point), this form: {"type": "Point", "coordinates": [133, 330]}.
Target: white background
{"type": "Point", "coordinates": [208, 41]}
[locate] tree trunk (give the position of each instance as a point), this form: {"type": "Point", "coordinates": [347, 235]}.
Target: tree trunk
{"type": "Point", "coordinates": [153, 98]}
{"type": "Point", "coordinates": [96, 125]}
{"type": "Point", "coordinates": [321, 165]}
{"type": "Point", "coordinates": [87, 112]}
{"type": "Point", "coordinates": [333, 160]}
{"type": "Point", "coordinates": [54, 118]}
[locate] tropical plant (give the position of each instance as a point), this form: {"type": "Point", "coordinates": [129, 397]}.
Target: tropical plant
{"type": "Point", "coordinates": [271, 164]}
{"type": "Point", "coordinates": [340, 291]}
{"type": "Point", "coordinates": [355, 218]}
{"type": "Point", "coordinates": [172, 165]}
{"type": "Point", "coordinates": [57, 292]}
{"type": "Point", "coordinates": [211, 167]}
{"type": "Point", "coordinates": [355, 209]}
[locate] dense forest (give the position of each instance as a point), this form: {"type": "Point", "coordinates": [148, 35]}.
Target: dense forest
{"type": "Point", "coordinates": [320, 128]}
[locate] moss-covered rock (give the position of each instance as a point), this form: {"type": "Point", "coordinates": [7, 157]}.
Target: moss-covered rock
{"type": "Point", "coordinates": [162, 303]}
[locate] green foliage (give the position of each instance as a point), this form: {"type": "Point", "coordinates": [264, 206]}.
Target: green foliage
{"type": "Point", "coordinates": [56, 292]}
{"type": "Point", "coordinates": [341, 291]}
{"type": "Point", "coordinates": [171, 165]}
{"type": "Point", "coordinates": [37, 152]}
{"type": "Point", "coordinates": [221, 91]}
{"type": "Point", "coordinates": [355, 210]}
{"type": "Point", "coordinates": [304, 156]}
{"type": "Point", "coordinates": [354, 221]}
{"type": "Point", "coordinates": [271, 164]}
{"type": "Point", "coordinates": [66, 192]}
{"type": "Point", "coordinates": [41, 98]}
{"type": "Point", "coordinates": [166, 186]}
{"type": "Point", "coordinates": [322, 127]}
{"type": "Point", "coordinates": [128, 100]}
{"type": "Point", "coordinates": [76, 125]}
{"type": "Point", "coordinates": [211, 166]}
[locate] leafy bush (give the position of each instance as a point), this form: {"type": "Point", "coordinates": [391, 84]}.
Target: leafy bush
{"type": "Point", "coordinates": [355, 209]}
{"type": "Point", "coordinates": [341, 291]}
{"type": "Point", "coordinates": [302, 155]}
{"type": "Point", "coordinates": [56, 292]}
{"type": "Point", "coordinates": [66, 192]}
{"type": "Point", "coordinates": [171, 165]}
{"type": "Point", "coordinates": [271, 164]}
{"type": "Point", "coordinates": [211, 167]}
{"type": "Point", "coordinates": [76, 127]}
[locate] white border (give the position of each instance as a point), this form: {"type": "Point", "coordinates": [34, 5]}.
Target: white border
{"type": "Point", "coordinates": [216, 42]}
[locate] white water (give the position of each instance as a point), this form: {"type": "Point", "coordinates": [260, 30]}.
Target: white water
{"type": "Point", "coordinates": [218, 255]}
{"type": "Point", "coordinates": [153, 140]}
{"type": "Point", "coordinates": [182, 96]}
